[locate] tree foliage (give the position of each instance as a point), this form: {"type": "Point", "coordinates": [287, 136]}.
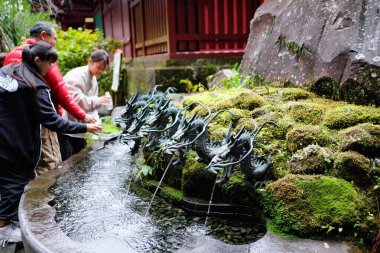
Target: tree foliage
{"type": "Point", "coordinates": [75, 46]}
{"type": "Point", "coordinates": [16, 19]}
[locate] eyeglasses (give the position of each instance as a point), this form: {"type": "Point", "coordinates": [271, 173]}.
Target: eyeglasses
{"type": "Point", "coordinates": [54, 37]}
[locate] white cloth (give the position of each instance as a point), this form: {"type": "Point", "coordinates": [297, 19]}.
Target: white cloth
{"type": "Point", "coordinates": [84, 90]}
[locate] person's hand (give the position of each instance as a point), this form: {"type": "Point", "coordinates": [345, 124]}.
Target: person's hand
{"type": "Point", "coordinates": [94, 128]}
{"type": "Point", "coordinates": [104, 100]}
{"type": "Point", "coordinates": [89, 119]}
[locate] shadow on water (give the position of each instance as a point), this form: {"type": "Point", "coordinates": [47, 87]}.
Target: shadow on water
{"type": "Point", "coordinates": [92, 203]}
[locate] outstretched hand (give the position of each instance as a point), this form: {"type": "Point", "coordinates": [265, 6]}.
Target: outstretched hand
{"type": "Point", "coordinates": [104, 100]}
{"type": "Point", "coordinates": [89, 119]}
{"type": "Point", "coordinates": [94, 128]}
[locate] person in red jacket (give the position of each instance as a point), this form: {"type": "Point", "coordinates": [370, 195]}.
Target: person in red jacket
{"type": "Point", "coordinates": [50, 153]}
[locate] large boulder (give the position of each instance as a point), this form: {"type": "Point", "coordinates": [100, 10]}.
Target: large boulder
{"type": "Point", "coordinates": [332, 45]}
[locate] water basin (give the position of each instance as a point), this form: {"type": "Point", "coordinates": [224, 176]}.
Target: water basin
{"type": "Point", "coordinates": [93, 204]}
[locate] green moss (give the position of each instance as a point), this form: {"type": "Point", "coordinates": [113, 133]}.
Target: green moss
{"type": "Point", "coordinates": [281, 163]}
{"type": "Point", "coordinates": [149, 183]}
{"type": "Point", "coordinates": [260, 111]}
{"type": "Point", "coordinates": [217, 132]}
{"type": "Point", "coordinates": [171, 195]}
{"type": "Point", "coordinates": [243, 99]}
{"type": "Point", "coordinates": [245, 122]}
{"type": "Point", "coordinates": [296, 94]}
{"type": "Point", "coordinates": [224, 118]}
{"type": "Point", "coordinates": [248, 101]}
{"type": "Point", "coordinates": [350, 115]}
{"type": "Point", "coordinates": [211, 97]}
{"type": "Point", "coordinates": [265, 90]}
{"type": "Point", "coordinates": [304, 135]}
{"type": "Point", "coordinates": [363, 138]}
{"type": "Point", "coordinates": [352, 166]}
{"type": "Point", "coordinates": [239, 191]}
{"type": "Point", "coordinates": [312, 159]}
{"type": "Point", "coordinates": [312, 205]}
{"type": "Point", "coordinates": [304, 112]}
{"type": "Point", "coordinates": [196, 180]}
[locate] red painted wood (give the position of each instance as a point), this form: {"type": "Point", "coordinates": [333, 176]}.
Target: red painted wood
{"type": "Point", "coordinates": [211, 28]}
{"type": "Point", "coordinates": [180, 28]}
{"type": "Point", "coordinates": [201, 22]}
{"type": "Point", "coordinates": [181, 23]}
{"type": "Point", "coordinates": [192, 45]}
{"type": "Point", "coordinates": [171, 26]}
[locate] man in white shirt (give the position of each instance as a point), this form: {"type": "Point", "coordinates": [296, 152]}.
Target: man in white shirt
{"type": "Point", "coordinates": [83, 88]}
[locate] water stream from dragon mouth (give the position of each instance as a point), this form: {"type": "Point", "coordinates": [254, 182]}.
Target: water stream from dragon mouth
{"type": "Point", "coordinates": [158, 186]}
{"type": "Point", "coordinates": [209, 203]}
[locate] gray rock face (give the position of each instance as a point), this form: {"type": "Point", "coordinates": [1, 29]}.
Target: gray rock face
{"type": "Point", "coordinates": [303, 41]}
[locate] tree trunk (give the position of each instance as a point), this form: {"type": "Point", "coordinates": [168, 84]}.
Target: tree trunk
{"type": "Point", "coordinates": [376, 245]}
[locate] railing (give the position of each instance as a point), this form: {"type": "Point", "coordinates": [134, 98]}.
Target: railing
{"type": "Point", "coordinates": [190, 28]}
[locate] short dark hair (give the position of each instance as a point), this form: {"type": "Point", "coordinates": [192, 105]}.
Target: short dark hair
{"type": "Point", "coordinates": [39, 27]}
{"type": "Point", "coordinates": [99, 55]}
{"type": "Point", "coordinates": [27, 70]}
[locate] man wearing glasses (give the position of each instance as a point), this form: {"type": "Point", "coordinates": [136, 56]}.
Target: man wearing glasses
{"type": "Point", "coordinates": [50, 152]}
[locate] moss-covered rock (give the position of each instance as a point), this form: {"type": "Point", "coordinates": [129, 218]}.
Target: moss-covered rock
{"type": "Point", "coordinates": [295, 94]}
{"type": "Point", "coordinates": [304, 135]}
{"type": "Point", "coordinates": [363, 138]}
{"type": "Point", "coordinates": [171, 195]}
{"type": "Point", "coordinates": [312, 206]}
{"type": "Point", "coordinates": [350, 115]}
{"type": "Point", "coordinates": [352, 166]}
{"type": "Point", "coordinates": [248, 101]}
{"type": "Point", "coordinates": [247, 123]}
{"type": "Point", "coordinates": [312, 159]}
{"type": "Point", "coordinates": [260, 111]}
{"type": "Point", "coordinates": [225, 118]}
{"type": "Point", "coordinates": [243, 99]}
{"type": "Point", "coordinates": [239, 191]}
{"type": "Point", "coordinates": [196, 180]}
{"type": "Point", "coordinates": [210, 98]}
{"type": "Point", "coordinates": [304, 112]}
{"type": "Point", "coordinates": [266, 90]}
{"type": "Point", "coordinates": [217, 132]}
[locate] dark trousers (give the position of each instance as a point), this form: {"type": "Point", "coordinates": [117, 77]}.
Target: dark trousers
{"type": "Point", "coordinates": [70, 145]}
{"type": "Point", "coordinates": [11, 189]}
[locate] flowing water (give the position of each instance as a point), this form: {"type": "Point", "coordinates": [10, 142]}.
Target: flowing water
{"type": "Point", "coordinates": [209, 203]}
{"type": "Point", "coordinates": [158, 186]}
{"type": "Point", "coordinates": [92, 204]}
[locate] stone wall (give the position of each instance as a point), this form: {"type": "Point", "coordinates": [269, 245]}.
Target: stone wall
{"type": "Point", "coordinates": [143, 74]}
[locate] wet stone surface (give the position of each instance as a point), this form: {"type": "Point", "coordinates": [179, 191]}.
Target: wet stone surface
{"type": "Point", "coordinates": [98, 205]}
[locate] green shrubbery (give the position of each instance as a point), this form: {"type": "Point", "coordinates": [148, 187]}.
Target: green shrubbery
{"type": "Point", "coordinates": [75, 46]}
{"type": "Point", "coordinates": [16, 19]}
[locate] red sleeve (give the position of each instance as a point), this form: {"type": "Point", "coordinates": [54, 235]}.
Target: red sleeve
{"type": "Point", "coordinates": [60, 94]}
{"type": "Point", "coordinates": [14, 56]}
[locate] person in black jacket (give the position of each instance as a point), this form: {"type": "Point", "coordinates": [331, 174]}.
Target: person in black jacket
{"type": "Point", "coordinates": [25, 104]}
